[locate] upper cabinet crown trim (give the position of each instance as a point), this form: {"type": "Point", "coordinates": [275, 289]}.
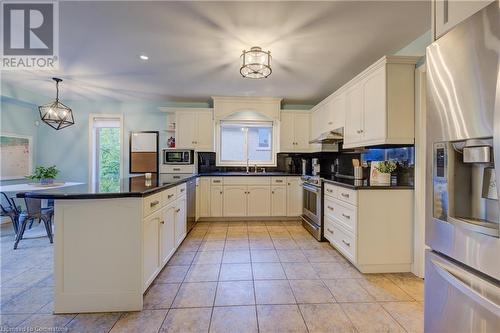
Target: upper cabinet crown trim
{"type": "Point", "coordinates": [168, 109]}
{"type": "Point", "coordinates": [268, 106]}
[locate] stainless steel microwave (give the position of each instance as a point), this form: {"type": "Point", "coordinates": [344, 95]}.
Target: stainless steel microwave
{"type": "Point", "coordinates": [178, 156]}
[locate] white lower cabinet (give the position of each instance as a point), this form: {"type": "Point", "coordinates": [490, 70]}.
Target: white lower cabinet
{"type": "Point", "coordinates": [151, 255]}
{"type": "Point", "coordinates": [372, 228]}
{"type": "Point", "coordinates": [278, 201]}
{"type": "Point", "coordinates": [234, 201]}
{"type": "Point", "coordinates": [216, 202]}
{"type": "Point", "coordinates": [167, 233]}
{"type": "Point", "coordinates": [294, 196]}
{"type": "Point", "coordinates": [180, 220]}
{"type": "Point", "coordinates": [164, 227]}
{"type": "Point", "coordinates": [203, 197]}
{"type": "Point", "coordinates": [258, 200]}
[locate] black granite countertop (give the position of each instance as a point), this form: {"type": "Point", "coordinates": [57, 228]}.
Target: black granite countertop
{"type": "Point", "coordinates": [135, 186]}
{"type": "Point", "coordinates": [364, 184]}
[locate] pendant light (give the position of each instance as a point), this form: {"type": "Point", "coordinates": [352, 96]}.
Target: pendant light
{"type": "Point", "coordinates": [56, 114]}
{"type": "Point", "coordinates": [256, 63]}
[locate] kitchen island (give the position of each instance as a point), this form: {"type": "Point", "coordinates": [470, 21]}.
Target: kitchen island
{"type": "Point", "coordinates": [110, 245]}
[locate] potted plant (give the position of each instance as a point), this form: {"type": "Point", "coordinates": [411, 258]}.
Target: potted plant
{"type": "Point", "coordinates": [45, 175]}
{"type": "Point", "coordinates": [385, 168]}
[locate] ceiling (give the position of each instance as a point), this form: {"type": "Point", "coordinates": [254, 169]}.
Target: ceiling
{"type": "Point", "coordinates": [194, 47]}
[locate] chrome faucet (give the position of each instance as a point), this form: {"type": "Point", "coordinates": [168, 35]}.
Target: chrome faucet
{"type": "Point", "coordinates": [248, 168]}
{"type": "Point", "coordinates": [255, 170]}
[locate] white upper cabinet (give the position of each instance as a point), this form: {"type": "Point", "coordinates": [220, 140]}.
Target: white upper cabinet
{"type": "Point", "coordinates": [194, 130]}
{"type": "Point", "coordinates": [329, 115]}
{"type": "Point", "coordinates": [336, 111]}
{"type": "Point", "coordinates": [379, 107]}
{"type": "Point", "coordinates": [449, 13]}
{"type": "Point", "coordinates": [294, 131]}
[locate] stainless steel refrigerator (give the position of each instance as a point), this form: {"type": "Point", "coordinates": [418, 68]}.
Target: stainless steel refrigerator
{"type": "Point", "coordinates": [462, 267]}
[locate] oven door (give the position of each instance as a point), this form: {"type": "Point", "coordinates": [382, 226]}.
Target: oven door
{"type": "Point", "coordinates": [311, 206]}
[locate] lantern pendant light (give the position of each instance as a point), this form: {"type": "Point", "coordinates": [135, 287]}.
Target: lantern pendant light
{"type": "Point", "coordinates": [256, 64]}
{"type": "Point", "coordinates": [56, 114]}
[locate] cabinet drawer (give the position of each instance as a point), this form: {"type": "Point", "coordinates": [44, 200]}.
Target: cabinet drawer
{"type": "Point", "coordinates": [278, 180]}
{"type": "Point", "coordinates": [343, 240]}
{"type": "Point", "coordinates": [180, 189]}
{"type": "Point", "coordinates": [151, 204]}
{"type": "Point", "coordinates": [186, 168]}
{"type": "Point", "coordinates": [216, 180]}
{"type": "Point", "coordinates": [347, 195]}
{"type": "Point", "coordinates": [330, 190]}
{"type": "Point", "coordinates": [248, 180]}
{"type": "Point", "coordinates": [342, 213]}
{"type": "Point", "coordinates": [168, 195]}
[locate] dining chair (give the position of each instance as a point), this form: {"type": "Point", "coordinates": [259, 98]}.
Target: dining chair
{"type": "Point", "coordinates": [34, 211]}
{"type": "Point", "coordinates": [8, 208]}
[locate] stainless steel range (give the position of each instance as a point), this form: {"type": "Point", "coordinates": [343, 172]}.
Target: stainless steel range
{"type": "Point", "coordinates": [312, 205]}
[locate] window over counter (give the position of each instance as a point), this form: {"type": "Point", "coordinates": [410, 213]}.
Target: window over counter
{"type": "Point", "coordinates": [240, 142]}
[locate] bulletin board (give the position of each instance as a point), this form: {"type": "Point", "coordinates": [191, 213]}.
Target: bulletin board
{"type": "Point", "coordinates": [16, 156]}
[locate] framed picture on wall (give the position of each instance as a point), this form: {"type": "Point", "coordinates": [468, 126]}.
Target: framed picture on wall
{"type": "Point", "coordinates": [16, 156]}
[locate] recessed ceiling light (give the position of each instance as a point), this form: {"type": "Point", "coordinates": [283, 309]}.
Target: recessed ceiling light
{"type": "Point", "coordinates": [144, 57]}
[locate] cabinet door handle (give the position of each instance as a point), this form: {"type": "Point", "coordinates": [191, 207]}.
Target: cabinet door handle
{"type": "Point", "coordinates": [329, 230]}
{"type": "Point", "coordinates": [329, 123]}
{"type": "Point", "coordinates": [346, 243]}
{"type": "Point", "coordinates": [162, 222]}
{"type": "Point", "coordinates": [345, 195]}
{"type": "Point", "coordinates": [330, 207]}
{"type": "Point", "coordinates": [289, 184]}
{"type": "Point", "coordinates": [329, 190]}
{"type": "Point", "coordinates": [154, 203]}
{"type": "Point", "coordinates": [183, 189]}
{"type": "Point", "coordinates": [346, 216]}
{"type": "Point", "coordinates": [170, 196]}
{"type": "Point", "coordinates": [360, 131]}
{"type": "Point", "coordinates": [220, 192]}
{"type": "Point", "coordinates": [272, 192]}
{"type": "Point", "coordinates": [177, 210]}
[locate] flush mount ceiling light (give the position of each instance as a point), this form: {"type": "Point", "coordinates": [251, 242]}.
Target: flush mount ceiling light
{"type": "Point", "coordinates": [256, 63]}
{"type": "Point", "coordinates": [56, 114]}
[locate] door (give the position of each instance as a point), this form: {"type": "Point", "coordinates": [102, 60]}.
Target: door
{"type": "Point", "coordinates": [301, 131]}
{"type": "Point", "coordinates": [205, 132]}
{"type": "Point", "coordinates": [294, 197]}
{"type": "Point", "coordinates": [150, 244]}
{"type": "Point", "coordinates": [235, 200]}
{"type": "Point", "coordinates": [167, 233]}
{"type": "Point", "coordinates": [287, 130]}
{"type": "Point", "coordinates": [216, 200]}
{"type": "Point", "coordinates": [374, 106]}
{"type": "Point", "coordinates": [204, 197]}
{"type": "Point", "coordinates": [337, 111]}
{"type": "Point", "coordinates": [457, 293]}
{"type": "Point", "coordinates": [259, 200]}
{"type": "Point", "coordinates": [278, 201]}
{"type": "Point", "coordinates": [186, 130]}
{"type": "Point", "coordinates": [354, 114]}
{"type": "Point", "coordinates": [180, 220]}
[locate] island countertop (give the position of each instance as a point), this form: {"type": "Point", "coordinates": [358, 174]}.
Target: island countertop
{"type": "Point", "coordinates": [364, 184]}
{"type": "Point", "coordinates": [134, 186]}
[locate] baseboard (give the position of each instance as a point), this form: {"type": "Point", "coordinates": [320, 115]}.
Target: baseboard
{"type": "Point", "coordinates": [248, 218]}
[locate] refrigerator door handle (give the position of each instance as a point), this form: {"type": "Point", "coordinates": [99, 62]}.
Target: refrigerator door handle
{"type": "Point", "coordinates": [496, 133]}
{"type": "Point", "coordinates": [477, 289]}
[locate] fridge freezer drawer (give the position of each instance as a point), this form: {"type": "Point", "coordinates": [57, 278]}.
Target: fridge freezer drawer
{"type": "Point", "coordinates": [458, 299]}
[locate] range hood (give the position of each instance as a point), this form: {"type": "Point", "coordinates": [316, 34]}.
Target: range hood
{"type": "Point", "coordinates": [334, 136]}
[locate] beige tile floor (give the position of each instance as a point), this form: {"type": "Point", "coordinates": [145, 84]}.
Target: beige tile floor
{"type": "Point", "coordinates": [226, 277]}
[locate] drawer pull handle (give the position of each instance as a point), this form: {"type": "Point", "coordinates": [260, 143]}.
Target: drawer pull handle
{"type": "Point", "coordinates": [176, 177]}
{"type": "Point", "coordinates": [170, 196]}
{"type": "Point", "coordinates": [329, 230]}
{"type": "Point", "coordinates": [330, 207]}
{"type": "Point", "coordinates": [154, 203]}
{"type": "Point", "coordinates": [216, 181]}
{"type": "Point", "coordinates": [177, 210]}
{"type": "Point", "coordinates": [279, 181]}
{"type": "Point", "coordinates": [345, 195]}
{"type": "Point", "coordinates": [329, 190]}
{"type": "Point", "coordinates": [346, 243]}
{"type": "Point", "coordinates": [162, 222]}
{"type": "Point", "coordinates": [346, 216]}
{"type": "Point", "coordinates": [176, 169]}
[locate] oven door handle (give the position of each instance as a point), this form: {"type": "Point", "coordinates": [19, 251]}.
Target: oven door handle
{"type": "Point", "coordinates": [311, 188]}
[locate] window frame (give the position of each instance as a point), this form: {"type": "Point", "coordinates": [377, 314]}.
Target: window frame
{"type": "Point", "coordinates": [246, 124]}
